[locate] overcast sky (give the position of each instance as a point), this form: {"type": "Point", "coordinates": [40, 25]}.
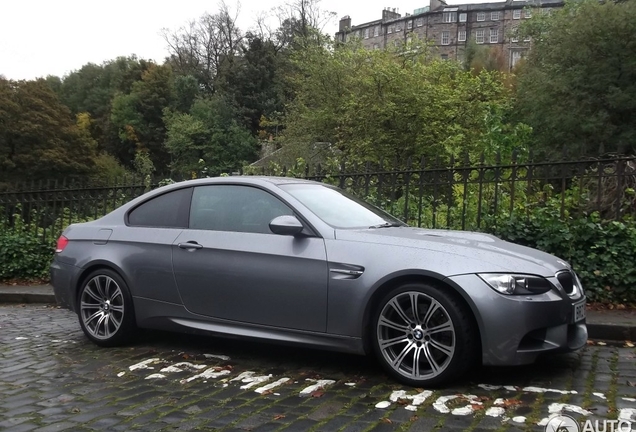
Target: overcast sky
{"type": "Point", "coordinates": [55, 37]}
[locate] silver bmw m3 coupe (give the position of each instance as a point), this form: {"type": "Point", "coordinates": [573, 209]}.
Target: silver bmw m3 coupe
{"type": "Point", "coordinates": [300, 262]}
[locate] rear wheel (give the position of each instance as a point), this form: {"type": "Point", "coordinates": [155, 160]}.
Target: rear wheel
{"type": "Point", "coordinates": [105, 309]}
{"type": "Point", "coordinates": [424, 336]}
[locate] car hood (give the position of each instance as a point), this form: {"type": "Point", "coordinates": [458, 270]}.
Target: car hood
{"type": "Point", "coordinates": [495, 254]}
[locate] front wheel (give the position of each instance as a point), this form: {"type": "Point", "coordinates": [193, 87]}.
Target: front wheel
{"type": "Point", "coordinates": [105, 309]}
{"type": "Point", "coordinates": [424, 336]}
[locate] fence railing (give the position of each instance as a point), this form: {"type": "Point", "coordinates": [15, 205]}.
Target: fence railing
{"type": "Point", "coordinates": [458, 196]}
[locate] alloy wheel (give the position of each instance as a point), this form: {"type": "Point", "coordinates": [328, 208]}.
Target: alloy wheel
{"type": "Point", "coordinates": [102, 307]}
{"type": "Point", "coordinates": [416, 335]}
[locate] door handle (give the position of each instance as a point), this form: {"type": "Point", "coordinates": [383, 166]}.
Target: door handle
{"type": "Point", "coordinates": [190, 245]}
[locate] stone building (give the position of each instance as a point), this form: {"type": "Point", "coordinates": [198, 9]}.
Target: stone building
{"type": "Point", "coordinates": [449, 28]}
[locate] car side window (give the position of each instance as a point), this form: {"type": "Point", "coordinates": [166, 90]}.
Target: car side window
{"type": "Point", "coordinates": [169, 210]}
{"type": "Point", "coordinates": [235, 208]}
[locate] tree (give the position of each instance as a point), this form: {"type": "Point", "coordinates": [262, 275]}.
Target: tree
{"type": "Point", "coordinates": [482, 57]}
{"type": "Point", "coordinates": [205, 47]}
{"type": "Point", "coordinates": [302, 22]}
{"type": "Point", "coordinates": [138, 117]}
{"type": "Point", "coordinates": [578, 86]}
{"type": "Point", "coordinates": [39, 138]}
{"type": "Point", "coordinates": [257, 84]}
{"type": "Point", "coordinates": [387, 104]}
{"type": "Point", "coordinates": [91, 90]}
{"type": "Point", "coordinates": [208, 138]}
{"type": "Point", "coordinates": [186, 90]}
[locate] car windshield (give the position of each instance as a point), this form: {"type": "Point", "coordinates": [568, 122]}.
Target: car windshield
{"type": "Point", "coordinates": [339, 209]}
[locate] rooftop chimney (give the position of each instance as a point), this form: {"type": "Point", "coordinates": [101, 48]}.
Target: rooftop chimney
{"type": "Point", "coordinates": [345, 24]}
{"type": "Point", "coordinates": [390, 14]}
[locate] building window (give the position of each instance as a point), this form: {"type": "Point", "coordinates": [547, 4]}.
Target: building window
{"type": "Point", "coordinates": [516, 14]}
{"type": "Point", "coordinates": [514, 38]}
{"type": "Point", "coordinates": [450, 17]}
{"type": "Point", "coordinates": [494, 35]}
{"type": "Point", "coordinates": [516, 56]}
{"type": "Point", "coordinates": [398, 27]}
{"type": "Point", "coordinates": [444, 56]}
{"type": "Point", "coordinates": [409, 25]}
{"type": "Point", "coordinates": [528, 13]}
{"type": "Point", "coordinates": [419, 22]}
{"type": "Point", "coordinates": [461, 36]}
{"type": "Point", "coordinates": [462, 17]}
{"type": "Point", "coordinates": [366, 33]}
{"type": "Point", "coordinates": [445, 38]}
{"type": "Point", "coordinates": [526, 39]}
{"type": "Point", "coordinates": [479, 36]}
{"type": "Point", "coordinates": [376, 31]}
{"type": "Point", "coordinates": [494, 16]}
{"type": "Point", "coordinates": [481, 16]}
{"type": "Point", "coordinates": [390, 30]}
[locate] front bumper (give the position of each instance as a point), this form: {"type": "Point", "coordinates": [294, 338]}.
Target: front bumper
{"type": "Point", "coordinates": [63, 277]}
{"type": "Point", "coordinates": [515, 330]}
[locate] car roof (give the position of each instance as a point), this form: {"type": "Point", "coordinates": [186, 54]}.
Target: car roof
{"type": "Point", "coordinates": [248, 180]}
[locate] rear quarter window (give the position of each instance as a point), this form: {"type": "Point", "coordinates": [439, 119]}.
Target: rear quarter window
{"type": "Point", "coordinates": [169, 210]}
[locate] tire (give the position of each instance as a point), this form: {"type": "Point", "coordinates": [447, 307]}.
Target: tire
{"type": "Point", "coordinates": [105, 309]}
{"type": "Point", "coordinates": [405, 346]}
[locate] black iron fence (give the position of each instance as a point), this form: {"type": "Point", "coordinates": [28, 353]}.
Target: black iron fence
{"type": "Point", "coordinates": [456, 195]}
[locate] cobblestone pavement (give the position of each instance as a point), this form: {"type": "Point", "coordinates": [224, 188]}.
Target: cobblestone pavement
{"type": "Point", "coordinates": [52, 378]}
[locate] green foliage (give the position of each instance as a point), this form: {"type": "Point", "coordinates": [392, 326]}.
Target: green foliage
{"type": "Point", "coordinates": [186, 89]}
{"type": "Point", "coordinates": [207, 138]}
{"type": "Point", "coordinates": [23, 255]}
{"type": "Point", "coordinates": [107, 169]}
{"type": "Point", "coordinates": [25, 252]}
{"type": "Point", "coordinates": [138, 116]}
{"type": "Point", "coordinates": [256, 84]}
{"type": "Point", "coordinates": [602, 253]}
{"type": "Point", "coordinates": [143, 165]}
{"type": "Point", "coordinates": [483, 57]}
{"type": "Point", "coordinates": [92, 88]}
{"type": "Point", "coordinates": [38, 135]}
{"type": "Point", "coordinates": [578, 85]}
{"type": "Point", "coordinates": [387, 104]}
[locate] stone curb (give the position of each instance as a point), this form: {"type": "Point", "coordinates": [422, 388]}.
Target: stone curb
{"type": "Point", "coordinates": [612, 332]}
{"type": "Point", "coordinates": [16, 297]}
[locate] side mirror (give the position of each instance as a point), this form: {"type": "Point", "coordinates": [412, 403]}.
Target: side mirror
{"type": "Point", "coordinates": [286, 225]}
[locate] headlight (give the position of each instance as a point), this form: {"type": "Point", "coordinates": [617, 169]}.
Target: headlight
{"type": "Point", "coordinates": [578, 284]}
{"type": "Point", "coordinates": [516, 284]}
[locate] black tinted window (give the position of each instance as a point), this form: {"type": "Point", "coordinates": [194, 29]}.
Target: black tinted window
{"type": "Point", "coordinates": [235, 208]}
{"type": "Point", "coordinates": [169, 210]}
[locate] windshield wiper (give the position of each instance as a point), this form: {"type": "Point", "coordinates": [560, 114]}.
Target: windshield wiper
{"type": "Point", "coordinates": [385, 225]}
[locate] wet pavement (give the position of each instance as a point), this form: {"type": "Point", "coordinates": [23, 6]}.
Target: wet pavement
{"type": "Point", "coordinates": [53, 378]}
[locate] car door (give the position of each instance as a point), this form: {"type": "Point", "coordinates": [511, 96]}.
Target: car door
{"type": "Point", "coordinates": [229, 265]}
{"type": "Point", "coordinates": [143, 247]}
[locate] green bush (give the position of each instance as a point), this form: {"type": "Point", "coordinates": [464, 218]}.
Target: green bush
{"type": "Point", "coordinates": [24, 255]}
{"type": "Point", "coordinates": [25, 252]}
{"type": "Point", "coordinates": [602, 253]}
